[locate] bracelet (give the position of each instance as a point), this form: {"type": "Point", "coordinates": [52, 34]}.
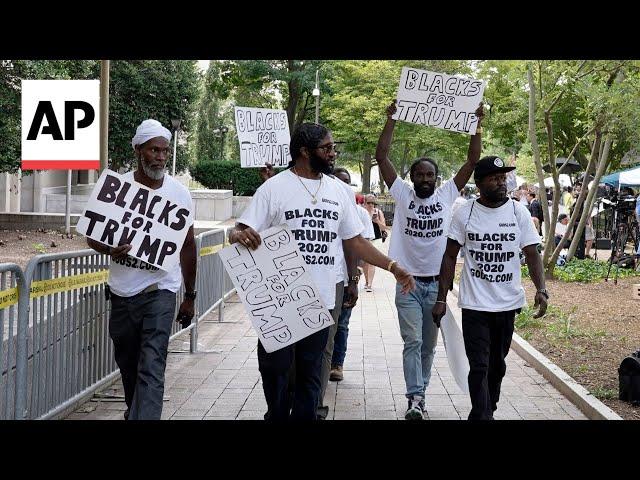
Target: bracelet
{"type": "Point", "coordinates": [391, 264]}
{"type": "Point", "coordinates": [441, 301]}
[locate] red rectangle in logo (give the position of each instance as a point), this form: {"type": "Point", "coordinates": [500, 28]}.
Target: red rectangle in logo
{"type": "Point", "coordinates": [60, 164]}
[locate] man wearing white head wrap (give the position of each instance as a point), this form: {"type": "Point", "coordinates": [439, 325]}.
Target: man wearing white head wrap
{"type": "Point", "coordinates": [143, 297]}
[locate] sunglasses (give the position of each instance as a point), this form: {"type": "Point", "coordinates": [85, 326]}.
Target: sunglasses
{"type": "Point", "coordinates": [372, 203]}
{"type": "Point", "coordinates": [329, 148]}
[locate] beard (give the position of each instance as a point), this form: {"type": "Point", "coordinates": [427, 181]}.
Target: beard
{"type": "Point", "coordinates": [319, 165]}
{"type": "Point", "coordinates": [424, 191]}
{"type": "Point", "coordinates": [152, 173]}
{"type": "Point", "coordinates": [495, 196]}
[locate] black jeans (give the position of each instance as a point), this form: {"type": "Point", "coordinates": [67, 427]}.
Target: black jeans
{"type": "Point", "coordinates": [140, 327]}
{"type": "Point", "coordinates": [487, 339]}
{"type": "Point", "coordinates": [306, 356]}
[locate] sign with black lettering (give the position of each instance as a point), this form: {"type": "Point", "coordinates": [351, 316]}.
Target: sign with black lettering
{"type": "Point", "coordinates": [60, 124]}
{"type": "Point", "coordinates": [276, 289]}
{"type": "Point", "coordinates": [123, 212]}
{"type": "Point", "coordinates": [439, 100]}
{"type": "Point", "coordinates": [263, 134]}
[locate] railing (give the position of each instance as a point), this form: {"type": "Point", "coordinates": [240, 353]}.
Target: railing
{"type": "Point", "coordinates": [57, 350]}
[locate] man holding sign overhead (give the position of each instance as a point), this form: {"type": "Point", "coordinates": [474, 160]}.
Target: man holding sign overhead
{"type": "Point", "coordinates": [418, 241]}
{"type": "Point", "coordinates": [320, 214]}
{"type": "Point", "coordinates": [143, 296]}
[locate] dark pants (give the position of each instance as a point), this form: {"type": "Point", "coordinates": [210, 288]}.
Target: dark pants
{"type": "Point", "coordinates": [341, 337]}
{"type": "Point", "coordinates": [140, 327]}
{"type": "Point", "coordinates": [580, 248]}
{"type": "Point", "coordinates": [487, 339]}
{"type": "Point", "coordinates": [306, 355]}
{"type": "Point", "coordinates": [325, 369]}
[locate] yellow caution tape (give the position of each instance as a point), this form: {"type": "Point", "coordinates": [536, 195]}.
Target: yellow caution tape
{"type": "Point", "coordinates": [64, 284]}
{"type": "Point", "coordinates": [211, 250]}
{"type": "Point", "coordinates": [8, 297]}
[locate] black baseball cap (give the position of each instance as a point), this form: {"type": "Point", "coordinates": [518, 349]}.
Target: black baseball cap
{"type": "Point", "coordinates": [488, 165]}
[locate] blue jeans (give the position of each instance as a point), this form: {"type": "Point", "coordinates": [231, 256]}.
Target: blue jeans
{"type": "Point", "coordinates": [419, 334]}
{"type": "Point", "coordinates": [340, 344]}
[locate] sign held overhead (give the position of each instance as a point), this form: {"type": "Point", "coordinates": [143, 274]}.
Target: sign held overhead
{"type": "Point", "coordinates": [264, 137]}
{"type": "Point", "coordinates": [439, 100]}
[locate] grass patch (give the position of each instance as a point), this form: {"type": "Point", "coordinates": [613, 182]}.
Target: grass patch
{"type": "Point", "coordinates": [604, 393]}
{"type": "Point", "coordinates": [556, 325]}
{"type": "Point", "coordinates": [586, 270]}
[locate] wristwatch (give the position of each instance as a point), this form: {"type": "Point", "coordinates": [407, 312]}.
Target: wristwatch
{"type": "Point", "coordinates": [354, 278]}
{"type": "Point", "coordinates": [191, 295]}
{"type": "Point", "coordinates": [544, 292]}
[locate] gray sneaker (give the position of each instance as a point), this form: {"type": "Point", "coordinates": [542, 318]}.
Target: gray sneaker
{"type": "Point", "coordinates": [415, 410]}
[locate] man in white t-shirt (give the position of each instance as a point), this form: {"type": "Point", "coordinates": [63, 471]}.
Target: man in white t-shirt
{"type": "Point", "coordinates": [320, 214]}
{"type": "Point", "coordinates": [492, 230]}
{"type": "Point", "coordinates": [143, 297]}
{"type": "Point", "coordinates": [339, 344]}
{"type": "Point", "coordinates": [418, 240]}
{"type": "Point", "coordinates": [561, 229]}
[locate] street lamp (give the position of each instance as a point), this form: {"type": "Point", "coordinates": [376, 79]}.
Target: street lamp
{"type": "Point", "coordinates": [316, 93]}
{"type": "Point", "coordinates": [222, 132]}
{"type": "Point", "coordinates": [175, 123]}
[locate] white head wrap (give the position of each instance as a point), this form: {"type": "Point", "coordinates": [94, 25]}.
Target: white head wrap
{"type": "Point", "coordinates": [149, 129]}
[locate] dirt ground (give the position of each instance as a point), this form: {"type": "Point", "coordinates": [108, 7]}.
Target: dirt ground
{"type": "Point", "coordinates": [596, 325]}
{"type": "Point", "coordinates": [20, 246]}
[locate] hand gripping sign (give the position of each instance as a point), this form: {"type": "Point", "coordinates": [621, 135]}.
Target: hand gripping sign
{"type": "Point", "coordinates": [122, 211]}
{"type": "Point", "coordinates": [439, 100]}
{"type": "Point", "coordinates": [276, 289]}
{"type": "Point", "coordinates": [263, 134]}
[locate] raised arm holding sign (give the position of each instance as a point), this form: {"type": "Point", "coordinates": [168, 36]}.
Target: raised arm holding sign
{"type": "Point", "coordinates": [418, 242]}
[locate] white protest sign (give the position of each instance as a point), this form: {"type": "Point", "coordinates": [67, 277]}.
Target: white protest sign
{"type": "Point", "coordinates": [263, 134]}
{"type": "Point", "coordinates": [276, 289]}
{"type": "Point", "coordinates": [439, 100]}
{"type": "Point", "coordinates": [454, 346]}
{"type": "Point", "coordinates": [60, 124]}
{"type": "Point", "coordinates": [122, 211]}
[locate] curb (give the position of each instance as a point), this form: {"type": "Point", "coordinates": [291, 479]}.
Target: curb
{"type": "Point", "coordinates": [593, 408]}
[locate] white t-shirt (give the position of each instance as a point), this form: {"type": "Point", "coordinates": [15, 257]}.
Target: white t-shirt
{"type": "Point", "coordinates": [419, 230]}
{"type": "Point", "coordinates": [456, 205]}
{"type": "Point", "coordinates": [343, 274]}
{"type": "Point", "coordinates": [318, 228]}
{"type": "Point", "coordinates": [130, 276]}
{"type": "Point", "coordinates": [492, 239]}
{"type": "Point", "coordinates": [561, 228]}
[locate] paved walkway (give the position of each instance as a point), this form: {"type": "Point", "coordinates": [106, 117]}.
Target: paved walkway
{"type": "Point", "coordinates": [223, 382]}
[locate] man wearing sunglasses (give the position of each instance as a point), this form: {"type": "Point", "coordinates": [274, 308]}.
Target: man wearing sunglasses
{"type": "Point", "coordinates": [321, 215]}
{"type": "Point", "coordinates": [418, 242]}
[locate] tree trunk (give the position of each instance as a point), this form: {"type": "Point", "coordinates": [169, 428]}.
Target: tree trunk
{"type": "Point", "coordinates": [592, 162]}
{"type": "Point", "coordinates": [588, 206]}
{"type": "Point", "coordinates": [366, 173]}
{"type": "Point", "coordinates": [538, 163]}
{"type": "Point", "coordinates": [294, 94]}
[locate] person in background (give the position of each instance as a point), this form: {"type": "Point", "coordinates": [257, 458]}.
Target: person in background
{"type": "Point", "coordinates": [380, 231]}
{"type": "Point", "coordinates": [561, 228]}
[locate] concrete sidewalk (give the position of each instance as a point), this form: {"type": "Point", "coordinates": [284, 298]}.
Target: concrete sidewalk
{"type": "Point", "coordinates": [223, 382]}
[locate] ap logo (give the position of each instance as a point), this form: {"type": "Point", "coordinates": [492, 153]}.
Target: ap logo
{"type": "Point", "coordinates": [60, 124]}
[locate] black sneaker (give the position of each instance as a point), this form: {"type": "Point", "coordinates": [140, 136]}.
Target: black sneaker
{"type": "Point", "coordinates": [415, 409]}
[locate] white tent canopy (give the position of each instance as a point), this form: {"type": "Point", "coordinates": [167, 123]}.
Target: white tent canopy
{"type": "Point", "coordinates": [564, 180]}
{"type": "Point", "coordinates": [630, 177]}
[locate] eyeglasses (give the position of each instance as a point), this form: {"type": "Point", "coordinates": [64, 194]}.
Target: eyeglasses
{"type": "Point", "coordinates": [329, 148]}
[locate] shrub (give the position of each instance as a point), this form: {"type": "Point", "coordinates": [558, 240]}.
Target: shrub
{"type": "Point", "coordinates": [227, 175]}
{"type": "Point", "coordinates": [586, 270]}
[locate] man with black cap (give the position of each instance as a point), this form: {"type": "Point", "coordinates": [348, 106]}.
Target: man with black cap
{"type": "Point", "coordinates": [491, 230]}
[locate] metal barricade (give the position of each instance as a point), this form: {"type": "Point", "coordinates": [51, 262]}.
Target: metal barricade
{"type": "Point", "coordinates": [56, 348]}
{"type": "Point", "coordinates": [12, 342]}
{"type": "Point", "coordinates": [70, 352]}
